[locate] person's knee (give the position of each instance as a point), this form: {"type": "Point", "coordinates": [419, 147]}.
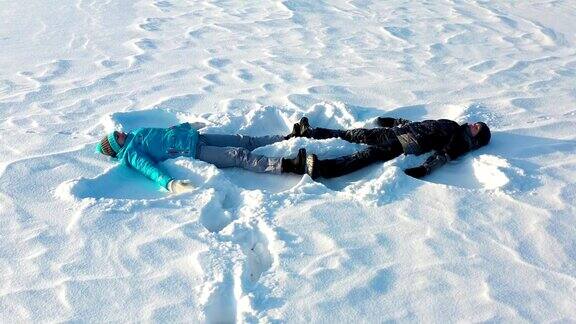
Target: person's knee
{"type": "Point", "coordinates": [240, 155]}
{"type": "Point", "coordinates": [371, 151]}
{"type": "Point", "coordinates": [251, 143]}
{"type": "Point", "coordinates": [381, 153]}
{"type": "Point", "coordinates": [356, 135]}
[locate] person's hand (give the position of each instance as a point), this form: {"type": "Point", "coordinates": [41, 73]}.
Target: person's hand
{"type": "Point", "coordinates": [417, 172]}
{"type": "Point", "coordinates": [180, 186]}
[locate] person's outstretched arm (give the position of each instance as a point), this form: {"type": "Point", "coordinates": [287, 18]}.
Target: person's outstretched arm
{"type": "Point", "coordinates": [150, 169]}
{"type": "Point", "coordinates": [143, 164]}
{"type": "Point", "coordinates": [456, 147]}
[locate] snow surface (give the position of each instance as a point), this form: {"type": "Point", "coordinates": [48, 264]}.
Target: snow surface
{"type": "Point", "coordinates": [490, 237]}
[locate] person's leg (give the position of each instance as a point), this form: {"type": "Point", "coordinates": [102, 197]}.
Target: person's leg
{"type": "Point", "coordinates": [226, 157]}
{"type": "Point", "coordinates": [375, 136]}
{"type": "Point", "coordinates": [244, 141]}
{"type": "Point", "coordinates": [331, 168]}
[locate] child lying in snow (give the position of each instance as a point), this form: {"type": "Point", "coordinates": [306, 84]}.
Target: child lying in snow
{"type": "Point", "coordinates": [448, 139]}
{"type": "Point", "coordinates": [143, 148]}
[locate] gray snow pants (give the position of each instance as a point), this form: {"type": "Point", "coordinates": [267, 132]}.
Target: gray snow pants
{"type": "Point", "coordinates": [226, 151]}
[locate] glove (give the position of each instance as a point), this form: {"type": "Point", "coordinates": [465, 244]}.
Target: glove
{"type": "Point", "coordinates": [179, 186]}
{"type": "Point", "coordinates": [417, 172]}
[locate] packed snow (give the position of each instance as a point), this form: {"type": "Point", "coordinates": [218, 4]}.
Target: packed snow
{"type": "Point", "coordinates": [489, 237]}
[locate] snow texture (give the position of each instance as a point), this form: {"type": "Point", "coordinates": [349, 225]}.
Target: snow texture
{"type": "Point", "coordinates": [491, 237]}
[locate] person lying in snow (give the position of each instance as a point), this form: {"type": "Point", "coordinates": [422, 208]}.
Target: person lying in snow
{"type": "Point", "coordinates": [143, 148]}
{"type": "Point", "coordinates": [397, 136]}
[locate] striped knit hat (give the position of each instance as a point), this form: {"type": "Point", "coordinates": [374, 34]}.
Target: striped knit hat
{"type": "Point", "coordinates": [108, 146]}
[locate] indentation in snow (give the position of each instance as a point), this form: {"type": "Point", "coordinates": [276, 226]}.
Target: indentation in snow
{"type": "Point", "coordinates": [488, 170]}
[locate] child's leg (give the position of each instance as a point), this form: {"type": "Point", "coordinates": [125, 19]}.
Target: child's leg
{"type": "Point", "coordinates": [226, 157]}
{"type": "Point", "coordinates": [244, 141]}
{"type": "Point", "coordinates": [347, 164]}
{"type": "Point", "coordinates": [374, 136]}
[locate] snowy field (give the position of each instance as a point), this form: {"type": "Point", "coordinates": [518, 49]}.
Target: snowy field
{"type": "Point", "coordinates": [489, 237]}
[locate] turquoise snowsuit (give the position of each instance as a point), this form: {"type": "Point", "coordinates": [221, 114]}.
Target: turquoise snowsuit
{"type": "Point", "coordinates": [145, 147]}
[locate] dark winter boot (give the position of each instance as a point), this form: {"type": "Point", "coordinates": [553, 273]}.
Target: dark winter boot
{"type": "Point", "coordinates": [385, 121]}
{"type": "Point", "coordinates": [388, 122]}
{"type": "Point", "coordinates": [312, 167]}
{"type": "Point", "coordinates": [295, 132]}
{"type": "Point", "coordinates": [300, 129]}
{"type": "Point", "coordinates": [305, 129]}
{"type": "Point", "coordinates": [296, 165]}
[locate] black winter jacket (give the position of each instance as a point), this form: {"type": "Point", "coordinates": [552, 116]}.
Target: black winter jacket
{"type": "Point", "coordinates": [448, 139]}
